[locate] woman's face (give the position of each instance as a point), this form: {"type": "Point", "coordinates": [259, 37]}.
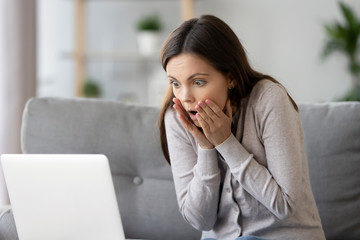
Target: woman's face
{"type": "Point", "coordinates": [193, 80]}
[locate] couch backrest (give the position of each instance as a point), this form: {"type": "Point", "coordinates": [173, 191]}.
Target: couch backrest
{"type": "Point", "coordinates": [332, 140]}
{"type": "Point", "coordinates": [128, 136]}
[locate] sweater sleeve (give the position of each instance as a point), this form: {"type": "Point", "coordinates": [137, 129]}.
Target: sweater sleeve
{"type": "Point", "coordinates": [196, 175]}
{"type": "Point", "coordinates": [277, 185]}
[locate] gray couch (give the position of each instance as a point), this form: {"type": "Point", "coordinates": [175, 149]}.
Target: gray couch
{"type": "Point", "coordinates": [128, 136]}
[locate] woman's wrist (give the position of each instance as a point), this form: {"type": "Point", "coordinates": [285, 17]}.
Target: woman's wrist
{"type": "Point", "coordinates": [222, 140]}
{"type": "Point", "coordinates": [207, 162]}
{"type": "Point", "coordinates": [206, 146]}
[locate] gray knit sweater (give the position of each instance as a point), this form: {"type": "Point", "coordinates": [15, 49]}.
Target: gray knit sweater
{"type": "Point", "coordinates": [256, 182]}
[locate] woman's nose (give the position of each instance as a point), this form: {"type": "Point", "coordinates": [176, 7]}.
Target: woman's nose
{"type": "Point", "coordinates": [187, 96]}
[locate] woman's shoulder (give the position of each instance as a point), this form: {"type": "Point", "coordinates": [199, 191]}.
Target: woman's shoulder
{"type": "Point", "coordinates": [266, 85]}
{"type": "Point", "coordinates": [267, 91]}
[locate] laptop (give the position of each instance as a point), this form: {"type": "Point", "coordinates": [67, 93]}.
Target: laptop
{"type": "Point", "coordinates": [62, 196]}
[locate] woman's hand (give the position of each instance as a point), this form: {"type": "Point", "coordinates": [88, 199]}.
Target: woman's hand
{"type": "Point", "coordinates": [189, 125]}
{"type": "Point", "coordinates": [214, 122]}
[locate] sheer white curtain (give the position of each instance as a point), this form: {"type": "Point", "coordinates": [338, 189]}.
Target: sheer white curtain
{"type": "Point", "coordinates": [17, 72]}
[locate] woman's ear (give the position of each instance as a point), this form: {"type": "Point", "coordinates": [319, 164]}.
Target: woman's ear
{"type": "Point", "coordinates": [230, 81]}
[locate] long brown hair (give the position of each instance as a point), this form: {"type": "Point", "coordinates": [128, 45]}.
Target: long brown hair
{"type": "Point", "coordinates": [212, 39]}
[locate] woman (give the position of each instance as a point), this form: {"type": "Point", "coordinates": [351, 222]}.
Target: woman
{"type": "Point", "coordinates": [234, 140]}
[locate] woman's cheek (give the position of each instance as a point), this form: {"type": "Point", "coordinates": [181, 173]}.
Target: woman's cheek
{"type": "Point", "coordinates": [176, 94]}
{"type": "Point", "coordinates": [221, 104]}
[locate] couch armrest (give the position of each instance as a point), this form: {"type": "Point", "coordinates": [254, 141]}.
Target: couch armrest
{"type": "Point", "coordinates": [7, 224]}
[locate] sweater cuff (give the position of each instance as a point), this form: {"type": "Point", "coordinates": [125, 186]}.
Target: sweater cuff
{"type": "Point", "coordinates": [233, 152]}
{"type": "Point", "coordinates": [207, 163]}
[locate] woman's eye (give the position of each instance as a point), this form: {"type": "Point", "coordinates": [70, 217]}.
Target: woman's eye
{"type": "Point", "coordinates": [175, 83]}
{"type": "Point", "coordinates": [199, 82]}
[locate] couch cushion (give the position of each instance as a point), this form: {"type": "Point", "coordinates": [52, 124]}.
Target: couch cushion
{"type": "Point", "coordinates": [128, 136]}
{"type": "Point", "coordinates": [332, 140]}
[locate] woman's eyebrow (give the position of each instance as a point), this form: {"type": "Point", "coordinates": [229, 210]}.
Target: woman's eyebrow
{"type": "Point", "coordinates": [191, 76]}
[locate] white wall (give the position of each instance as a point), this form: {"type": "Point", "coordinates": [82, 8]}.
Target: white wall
{"type": "Point", "coordinates": [283, 38]}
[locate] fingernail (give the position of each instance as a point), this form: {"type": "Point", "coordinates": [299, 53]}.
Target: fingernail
{"type": "Point", "coordinates": [197, 107]}
{"type": "Point", "coordinates": [207, 101]}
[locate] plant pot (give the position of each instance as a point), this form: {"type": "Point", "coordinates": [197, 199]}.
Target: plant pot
{"type": "Point", "coordinates": [148, 42]}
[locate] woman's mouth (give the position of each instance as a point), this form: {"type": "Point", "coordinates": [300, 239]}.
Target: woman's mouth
{"type": "Point", "coordinates": [192, 115]}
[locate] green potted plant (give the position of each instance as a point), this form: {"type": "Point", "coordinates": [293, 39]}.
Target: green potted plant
{"type": "Point", "coordinates": [91, 89]}
{"type": "Point", "coordinates": [344, 38]}
{"type": "Point", "coordinates": [148, 28]}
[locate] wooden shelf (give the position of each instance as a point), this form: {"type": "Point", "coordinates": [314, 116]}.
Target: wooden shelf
{"type": "Point", "coordinates": [187, 11]}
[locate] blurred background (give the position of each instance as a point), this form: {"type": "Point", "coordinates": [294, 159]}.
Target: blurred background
{"type": "Point", "coordinates": [283, 38]}
{"type": "Point", "coordinates": [93, 48]}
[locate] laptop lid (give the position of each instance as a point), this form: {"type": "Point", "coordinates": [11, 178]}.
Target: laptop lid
{"type": "Point", "coordinates": [62, 196]}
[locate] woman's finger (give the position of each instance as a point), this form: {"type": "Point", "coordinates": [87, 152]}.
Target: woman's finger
{"type": "Point", "coordinates": [195, 132]}
{"type": "Point", "coordinates": [181, 115]}
{"type": "Point", "coordinates": [203, 123]}
{"type": "Point", "coordinates": [178, 106]}
{"type": "Point", "coordinates": [185, 122]}
{"type": "Point", "coordinates": [190, 126]}
{"type": "Point", "coordinates": [203, 114]}
{"type": "Point", "coordinates": [184, 117]}
{"type": "Point", "coordinates": [206, 112]}
{"type": "Point", "coordinates": [214, 108]}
